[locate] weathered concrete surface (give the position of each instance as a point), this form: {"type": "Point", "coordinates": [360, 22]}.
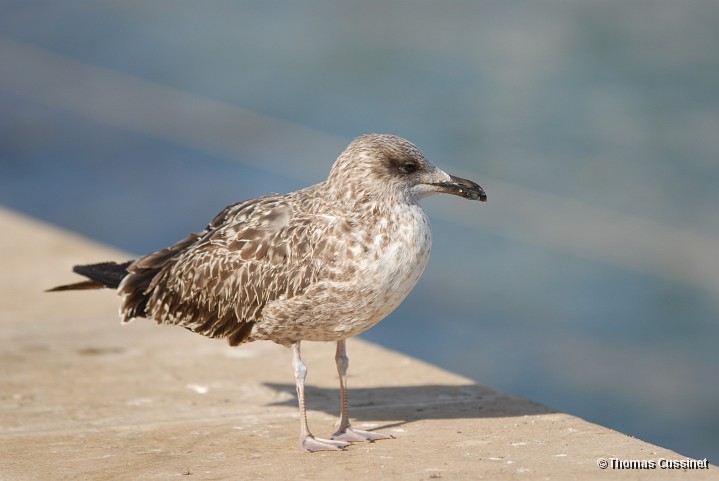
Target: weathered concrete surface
{"type": "Point", "coordinates": [84, 398]}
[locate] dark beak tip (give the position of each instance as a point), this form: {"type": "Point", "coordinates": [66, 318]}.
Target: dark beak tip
{"type": "Point", "coordinates": [471, 190]}
{"type": "Point", "coordinates": [464, 188]}
{"type": "Point", "coordinates": [480, 196]}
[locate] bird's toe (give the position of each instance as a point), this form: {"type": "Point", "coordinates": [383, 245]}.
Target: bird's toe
{"type": "Point", "coordinates": [311, 444]}
{"type": "Point", "coordinates": [353, 435]}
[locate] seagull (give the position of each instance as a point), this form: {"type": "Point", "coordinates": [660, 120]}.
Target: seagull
{"type": "Point", "coordinates": [324, 263]}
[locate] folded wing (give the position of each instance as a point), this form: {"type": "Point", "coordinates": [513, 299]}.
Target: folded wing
{"type": "Point", "coordinates": [217, 282]}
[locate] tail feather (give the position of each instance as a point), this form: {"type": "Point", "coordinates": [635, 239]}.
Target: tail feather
{"type": "Point", "coordinates": [104, 274]}
{"type": "Point", "coordinates": [136, 290]}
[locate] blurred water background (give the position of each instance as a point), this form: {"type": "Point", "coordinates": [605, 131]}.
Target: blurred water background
{"type": "Point", "coordinates": [589, 282]}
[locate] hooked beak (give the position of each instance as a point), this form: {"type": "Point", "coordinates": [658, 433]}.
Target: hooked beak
{"type": "Point", "coordinates": [463, 188]}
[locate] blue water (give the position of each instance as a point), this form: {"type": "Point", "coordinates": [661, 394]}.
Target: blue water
{"type": "Point", "coordinates": [607, 104]}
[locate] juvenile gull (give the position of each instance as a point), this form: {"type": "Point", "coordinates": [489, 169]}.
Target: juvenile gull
{"type": "Point", "coordinates": [321, 264]}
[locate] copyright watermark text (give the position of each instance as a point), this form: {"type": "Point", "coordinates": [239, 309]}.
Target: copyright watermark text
{"type": "Point", "coordinates": [661, 463]}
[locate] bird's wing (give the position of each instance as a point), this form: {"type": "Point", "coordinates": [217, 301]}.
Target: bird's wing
{"type": "Point", "coordinates": [217, 282]}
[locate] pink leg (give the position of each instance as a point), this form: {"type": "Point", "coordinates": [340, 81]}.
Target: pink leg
{"type": "Point", "coordinates": [345, 431]}
{"type": "Point", "coordinates": [308, 442]}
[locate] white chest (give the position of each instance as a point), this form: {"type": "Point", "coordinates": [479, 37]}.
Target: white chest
{"type": "Point", "coordinates": [397, 257]}
{"type": "Point", "coordinates": [376, 269]}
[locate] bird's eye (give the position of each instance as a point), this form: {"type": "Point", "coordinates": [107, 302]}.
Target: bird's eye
{"type": "Point", "coordinates": [409, 167]}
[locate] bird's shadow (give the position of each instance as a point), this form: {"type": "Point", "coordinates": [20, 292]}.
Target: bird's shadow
{"type": "Point", "coordinates": [412, 403]}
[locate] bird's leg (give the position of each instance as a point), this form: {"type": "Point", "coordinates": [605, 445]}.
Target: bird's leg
{"type": "Point", "coordinates": [308, 442]}
{"type": "Point", "coordinates": [345, 431]}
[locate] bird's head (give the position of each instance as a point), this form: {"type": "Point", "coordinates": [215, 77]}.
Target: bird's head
{"type": "Point", "coordinates": [386, 165]}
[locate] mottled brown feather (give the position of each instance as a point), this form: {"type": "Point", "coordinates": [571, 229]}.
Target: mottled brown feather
{"type": "Point", "coordinates": [323, 263]}
{"type": "Point", "coordinates": [217, 282]}
{"type": "Point", "coordinates": [320, 264]}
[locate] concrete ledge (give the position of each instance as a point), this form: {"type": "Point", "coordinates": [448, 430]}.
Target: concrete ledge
{"type": "Point", "coordinates": [84, 398]}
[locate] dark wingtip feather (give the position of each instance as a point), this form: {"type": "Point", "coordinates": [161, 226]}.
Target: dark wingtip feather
{"type": "Point", "coordinates": [109, 274]}
{"type": "Point", "coordinates": [104, 274]}
{"type": "Point", "coordinates": [77, 286]}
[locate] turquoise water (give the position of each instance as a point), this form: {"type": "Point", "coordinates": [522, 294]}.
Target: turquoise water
{"type": "Point", "coordinates": [586, 283]}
